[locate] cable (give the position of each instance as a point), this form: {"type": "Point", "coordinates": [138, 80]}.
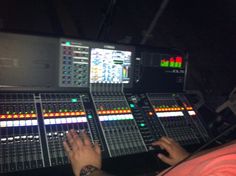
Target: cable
{"type": "Point", "coordinates": [202, 147]}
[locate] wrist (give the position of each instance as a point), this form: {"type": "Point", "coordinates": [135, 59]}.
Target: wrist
{"type": "Point", "coordinates": [88, 170]}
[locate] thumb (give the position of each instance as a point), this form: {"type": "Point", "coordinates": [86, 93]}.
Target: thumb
{"type": "Point", "coordinates": [165, 159]}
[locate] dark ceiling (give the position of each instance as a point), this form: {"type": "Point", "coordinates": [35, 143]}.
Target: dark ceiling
{"type": "Point", "coordinates": [207, 29]}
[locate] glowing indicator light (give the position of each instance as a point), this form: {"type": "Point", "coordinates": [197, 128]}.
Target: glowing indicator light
{"type": "Point", "coordinates": [142, 124]}
{"type": "Point", "coordinates": [150, 113]}
{"type": "Point", "coordinates": [90, 116]}
{"type": "Point", "coordinates": [67, 43]}
{"type": "Point", "coordinates": [131, 105]}
{"type": "Point", "coordinates": [74, 100]}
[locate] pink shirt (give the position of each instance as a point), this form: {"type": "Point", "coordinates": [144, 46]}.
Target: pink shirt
{"type": "Point", "coordinates": [221, 162]}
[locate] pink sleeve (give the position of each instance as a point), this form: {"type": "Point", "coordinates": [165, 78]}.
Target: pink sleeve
{"type": "Point", "coordinates": [221, 162]}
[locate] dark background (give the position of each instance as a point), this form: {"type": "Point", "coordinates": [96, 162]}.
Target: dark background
{"type": "Point", "coordinates": [206, 29]}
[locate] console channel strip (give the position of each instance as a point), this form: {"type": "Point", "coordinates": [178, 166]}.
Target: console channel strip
{"type": "Point", "coordinates": [171, 113]}
{"type": "Point", "coordinates": [118, 125]}
{"type": "Point", "coordinates": [149, 126]}
{"type": "Point", "coordinates": [62, 112]}
{"type": "Point", "coordinates": [20, 144]}
{"type": "Point", "coordinates": [194, 116]}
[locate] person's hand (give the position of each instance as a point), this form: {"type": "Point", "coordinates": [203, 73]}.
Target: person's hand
{"type": "Point", "coordinates": [81, 151]}
{"type": "Point", "coordinates": [176, 152]}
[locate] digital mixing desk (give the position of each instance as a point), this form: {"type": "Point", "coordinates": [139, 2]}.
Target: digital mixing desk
{"type": "Point", "coordinates": [92, 86]}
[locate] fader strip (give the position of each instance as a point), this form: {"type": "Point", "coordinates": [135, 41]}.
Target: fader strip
{"type": "Point", "coordinates": [20, 146]}
{"type": "Point", "coordinates": [118, 125]}
{"type": "Point", "coordinates": [62, 112]}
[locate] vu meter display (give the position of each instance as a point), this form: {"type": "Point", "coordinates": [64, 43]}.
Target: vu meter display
{"type": "Point", "coordinates": [110, 66]}
{"type": "Point", "coordinates": [172, 62]}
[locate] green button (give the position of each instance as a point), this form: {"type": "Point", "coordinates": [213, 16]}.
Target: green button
{"type": "Point", "coordinates": [142, 124]}
{"type": "Point", "coordinates": [131, 105]}
{"type": "Point", "coordinates": [90, 116]}
{"type": "Point", "coordinates": [67, 43]}
{"type": "Point", "coordinates": [74, 100]}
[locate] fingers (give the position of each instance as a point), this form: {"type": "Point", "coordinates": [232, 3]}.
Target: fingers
{"type": "Point", "coordinates": [71, 140]}
{"type": "Point", "coordinates": [76, 138]}
{"type": "Point", "coordinates": [75, 141]}
{"type": "Point", "coordinates": [164, 145]}
{"type": "Point", "coordinates": [66, 147]}
{"type": "Point", "coordinates": [85, 138]}
{"type": "Point", "coordinates": [165, 159]}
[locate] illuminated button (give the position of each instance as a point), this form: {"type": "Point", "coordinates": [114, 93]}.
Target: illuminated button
{"type": "Point", "coordinates": [79, 119]}
{"type": "Point", "coordinates": [101, 118]}
{"type": "Point", "coordinates": [9, 123]}
{"type": "Point", "coordinates": [73, 119]}
{"type": "Point", "coordinates": [68, 120]}
{"type": "Point", "coordinates": [142, 124]}
{"type": "Point", "coordinates": [52, 121]}
{"type": "Point", "coordinates": [27, 115]}
{"type": "Point", "coordinates": [84, 119]}
{"type": "Point", "coordinates": [58, 121]}
{"type": "Point", "coordinates": [28, 123]}
{"type": "Point", "coordinates": [72, 113]}
{"type": "Point", "coordinates": [3, 124]}
{"type": "Point", "coordinates": [74, 100]}
{"type": "Point", "coordinates": [9, 116]}
{"type": "Point", "coordinates": [22, 122]}
{"type": "Point", "coordinates": [16, 123]}
{"type": "Point", "coordinates": [3, 116]}
{"type": "Point", "coordinates": [131, 105]}
{"type": "Point", "coordinates": [67, 43]}
{"type": "Point", "coordinates": [105, 118]}
{"type": "Point", "coordinates": [34, 122]}
{"type": "Point", "coordinates": [90, 116]}
{"type": "Point", "coordinates": [110, 118]}
{"type": "Point", "coordinates": [150, 113]}
{"type": "Point", "coordinates": [45, 115]}
{"type": "Point", "coordinates": [15, 116]}
{"type": "Point", "coordinates": [46, 121]}
{"type": "Point", "coordinates": [63, 120]}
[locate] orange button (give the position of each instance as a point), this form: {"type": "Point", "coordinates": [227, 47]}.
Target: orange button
{"type": "Point", "coordinates": [3, 116]}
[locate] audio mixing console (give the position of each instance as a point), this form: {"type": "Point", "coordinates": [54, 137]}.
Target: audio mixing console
{"type": "Point", "coordinates": [84, 85]}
